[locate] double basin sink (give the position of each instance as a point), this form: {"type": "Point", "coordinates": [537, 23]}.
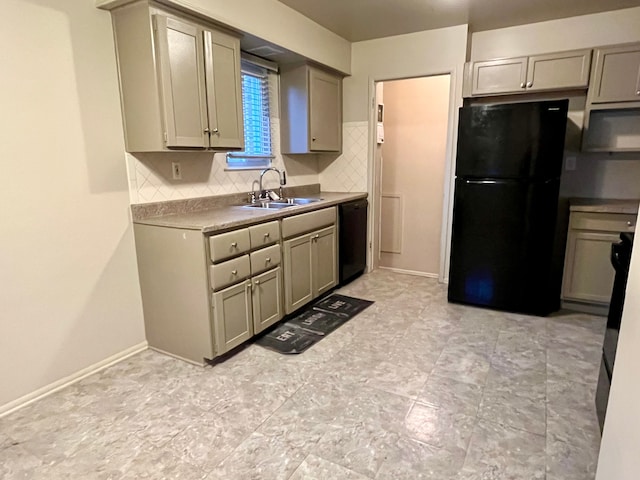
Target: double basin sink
{"type": "Point", "coordinates": [283, 203]}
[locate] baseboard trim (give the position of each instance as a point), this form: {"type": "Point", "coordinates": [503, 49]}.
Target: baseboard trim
{"type": "Point", "coordinates": [593, 309]}
{"type": "Point", "coordinates": [410, 272]}
{"type": "Point", "coordinates": [42, 392]}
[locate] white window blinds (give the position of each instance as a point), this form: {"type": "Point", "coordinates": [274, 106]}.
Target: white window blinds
{"type": "Point", "coordinates": [257, 127]}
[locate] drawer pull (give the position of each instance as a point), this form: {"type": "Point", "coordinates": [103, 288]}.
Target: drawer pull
{"type": "Point", "coordinates": [267, 235]}
{"type": "Point", "coordinates": [234, 244]}
{"type": "Point", "coordinates": [267, 260]}
{"type": "Point", "coordinates": [234, 272]}
{"type": "Point", "coordinates": [629, 224]}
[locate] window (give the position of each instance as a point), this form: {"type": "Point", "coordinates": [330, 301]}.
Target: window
{"type": "Point", "coordinates": [257, 126]}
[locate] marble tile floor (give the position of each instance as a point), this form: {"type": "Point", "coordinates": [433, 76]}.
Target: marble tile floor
{"type": "Point", "coordinates": [412, 388]}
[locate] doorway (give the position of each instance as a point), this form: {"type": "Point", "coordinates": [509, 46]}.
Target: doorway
{"type": "Point", "coordinates": [410, 171]}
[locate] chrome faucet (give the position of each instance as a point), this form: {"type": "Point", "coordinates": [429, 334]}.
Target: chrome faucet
{"type": "Point", "coordinates": [282, 176]}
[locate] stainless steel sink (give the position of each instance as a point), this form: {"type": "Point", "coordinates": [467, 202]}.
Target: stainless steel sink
{"type": "Point", "coordinates": [274, 205]}
{"type": "Point", "coordinates": [297, 200]}
{"type": "Point", "coordinates": [284, 203]}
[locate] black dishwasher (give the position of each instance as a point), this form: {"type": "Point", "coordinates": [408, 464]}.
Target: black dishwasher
{"type": "Point", "coordinates": [353, 239]}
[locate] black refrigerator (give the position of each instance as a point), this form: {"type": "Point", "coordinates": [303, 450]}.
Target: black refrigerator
{"type": "Point", "coordinates": [505, 235]}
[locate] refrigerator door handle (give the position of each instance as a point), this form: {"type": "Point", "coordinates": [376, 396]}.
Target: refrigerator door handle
{"type": "Point", "coordinates": [480, 182]}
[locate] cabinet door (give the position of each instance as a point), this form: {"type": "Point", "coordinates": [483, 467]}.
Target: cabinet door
{"type": "Point", "coordinates": [588, 275]}
{"type": "Point", "coordinates": [325, 269]}
{"type": "Point", "coordinates": [616, 75]}
{"type": "Point", "coordinates": [183, 92]}
{"type": "Point", "coordinates": [559, 70]}
{"type": "Point", "coordinates": [232, 316]}
{"type": "Point", "coordinates": [499, 76]}
{"type": "Point", "coordinates": [298, 287]}
{"type": "Point", "coordinates": [267, 303]}
{"type": "Point", "coordinates": [325, 111]}
{"type": "Point", "coordinates": [224, 90]}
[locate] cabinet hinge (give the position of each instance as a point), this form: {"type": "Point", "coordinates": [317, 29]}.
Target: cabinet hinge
{"type": "Point", "coordinates": [165, 137]}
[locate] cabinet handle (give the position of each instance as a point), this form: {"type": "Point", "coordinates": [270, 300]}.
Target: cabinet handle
{"type": "Point", "coordinates": [313, 139]}
{"type": "Point", "coordinates": [207, 131]}
{"type": "Point", "coordinates": [638, 92]}
{"type": "Point", "coordinates": [522, 85]}
{"type": "Point", "coordinates": [629, 224]}
{"type": "Point", "coordinates": [234, 272]}
{"type": "Point", "coordinates": [315, 237]}
{"type": "Point", "coordinates": [530, 84]}
{"type": "Point", "coordinates": [268, 259]}
{"type": "Point", "coordinates": [234, 244]}
{"type": "Point", "coordinates": [215, 130]}
{"type": "Point", "coordinates": [257, 282]}
{"type": "Point", "coordinates": [248, 286]}
{"type": "Point", "coordinates": [267, 235]}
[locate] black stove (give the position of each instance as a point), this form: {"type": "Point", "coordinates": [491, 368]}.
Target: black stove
{"type": "Point", "coordinates": [620, 259]}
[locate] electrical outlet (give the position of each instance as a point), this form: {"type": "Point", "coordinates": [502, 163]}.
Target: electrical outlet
{"type": "Point", "coordinates": [176, 171]}
{"type": "Point", "coordinates": [570, 163]}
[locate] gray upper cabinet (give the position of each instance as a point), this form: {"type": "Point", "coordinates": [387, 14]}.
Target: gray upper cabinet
{"type": "Point", "coordinates": [553, 71]}
{"type": "Point", "coordinates": [224, 82]}
{"type": "Point", "coordinates": [311, 113]}
{"type": "Point", "coordinates": [559, 70]}
{"type": "Point", "coordinates": [616, 75]}
{"type": "Point", "coordinates": [180, 81]}
{"type": "Point", "coordinates": [183, 88]}
{"type": "Point", "coordinates": [499, 76]}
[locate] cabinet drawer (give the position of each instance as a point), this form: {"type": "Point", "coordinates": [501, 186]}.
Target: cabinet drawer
{"type": "Point", "coordinates": [229, 244]}
{"type": "Point", "coordinates": [605, 222]}
{"type": "Point", "coordinates": [230, 272]}
{"type": "Point", "coordinates": [265, 259]}
{"type": "Point", "coordinates": [307, 222]}
{"type": "Point", "coordinates": [264, 234]}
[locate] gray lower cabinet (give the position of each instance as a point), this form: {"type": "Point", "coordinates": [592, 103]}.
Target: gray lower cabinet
{"type": "Point", "coordinates": [232, 316]}
{"type": "Point", "coordinates": [297, 258]}
{"type": "Point", "coordinates": [588, 273]}
{"type": "Point", "coordinates": [205, 295]}
{"type": "Point", "coordinates": [324, 255]}
{"type": "Point", "coordinates": [310, 263]}
{"type": "Point", "coordinates": [266, 293]}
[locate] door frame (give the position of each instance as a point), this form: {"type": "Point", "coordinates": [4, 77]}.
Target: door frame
{"type": "Point", "coordinates": [455, 102]}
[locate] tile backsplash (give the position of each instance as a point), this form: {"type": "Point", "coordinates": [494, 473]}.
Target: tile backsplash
{"type": "Point", "coordinates": [347, 172]}
{"type": "Point", "coordinates": [204, 174]}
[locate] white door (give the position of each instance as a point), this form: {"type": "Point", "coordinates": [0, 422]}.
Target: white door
{"type": "Point", "coordinates": [416, 119]}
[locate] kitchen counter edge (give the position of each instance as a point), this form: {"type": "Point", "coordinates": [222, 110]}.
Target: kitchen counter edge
{"type": "Point", "coordinates": [226, 218]}
{"type": "Point", "coordinates": [604, 205]}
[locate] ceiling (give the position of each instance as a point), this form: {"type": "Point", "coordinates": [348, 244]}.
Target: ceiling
{"type": "Point", "coordinates": [357, 20]}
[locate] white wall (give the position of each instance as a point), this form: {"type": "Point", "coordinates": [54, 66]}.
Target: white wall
{"type": "Point", "coordinates": [619, 458]}
{"type": "Point", "coordinates": [70, 295]}
{"type": "Point", "coordinates": [403, 56]}
{"type": "Point", "coordinates": [275, 22]}
{"type": "Point", "coordinates": [585, 31]}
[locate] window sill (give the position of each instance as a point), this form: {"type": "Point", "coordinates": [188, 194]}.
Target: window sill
{"type": "Point", "coordinates": [243, 169]}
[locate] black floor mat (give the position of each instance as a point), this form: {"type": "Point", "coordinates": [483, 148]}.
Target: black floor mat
{"type": "Point", "coordinates": [312, 324]}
